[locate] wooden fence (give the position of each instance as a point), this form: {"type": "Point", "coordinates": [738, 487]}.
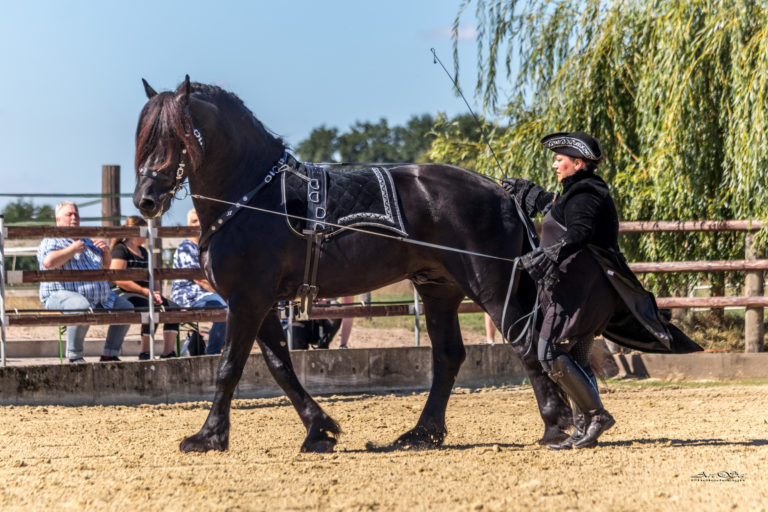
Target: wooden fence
{"type": "Point", "coordinates": [752, 299]}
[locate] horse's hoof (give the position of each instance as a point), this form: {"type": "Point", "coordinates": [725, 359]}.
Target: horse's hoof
{"type": "Point", "coordinates": [201, 443]}
{"type": "Point", "coordinates": [553, 435]}
{"type": "Point", "coordinates": [323, 445]}
{"type": "Point", "coordinates": [421, 438]}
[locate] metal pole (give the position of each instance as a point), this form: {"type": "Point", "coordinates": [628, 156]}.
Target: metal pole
{"type": "Point", "coordinates": [150, 267]}
{"type": "Point", "coordinates": [417, 329]}
{"type": "Point", "coordinates": [289, 335]}
{"type": "Point", "coordinates": [2, 291]}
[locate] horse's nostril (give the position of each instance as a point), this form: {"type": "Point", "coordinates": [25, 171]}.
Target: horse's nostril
{"type": "Point", "coordinates": [147, 205]}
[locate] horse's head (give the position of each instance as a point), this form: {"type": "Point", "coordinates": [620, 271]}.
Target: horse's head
{"type": "Point", "coordinates": [168, 148]}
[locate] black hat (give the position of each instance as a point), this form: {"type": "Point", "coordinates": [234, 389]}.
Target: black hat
{"type": "Point", "coordinates": [575, 145]}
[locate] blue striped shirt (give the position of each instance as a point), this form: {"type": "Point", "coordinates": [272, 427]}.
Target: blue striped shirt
{"type": "Point", "coordinates": [97, 293]}
{"type": "Point", "coordinates": [185, 292]}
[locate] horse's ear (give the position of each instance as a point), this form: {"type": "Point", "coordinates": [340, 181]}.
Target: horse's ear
{"type": "Point", "coordinates": [186, 89]}
{"type": "Point", "coordinates": [148, 89]}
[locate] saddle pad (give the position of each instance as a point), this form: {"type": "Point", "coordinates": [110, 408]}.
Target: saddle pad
{"type": "Point", "coordinates": [354, 198]}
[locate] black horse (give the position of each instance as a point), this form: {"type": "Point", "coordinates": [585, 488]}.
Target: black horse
{"type": "Point", "coordinates": [207, 135]}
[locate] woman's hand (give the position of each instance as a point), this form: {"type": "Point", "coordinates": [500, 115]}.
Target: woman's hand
{"type": "Point", "coordinates": [526, 192]}
{"type": "Point", "coordinates": [542, 267]}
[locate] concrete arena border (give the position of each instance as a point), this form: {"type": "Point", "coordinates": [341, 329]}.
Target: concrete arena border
{"type": "Point", "coordinates": [323, 372]}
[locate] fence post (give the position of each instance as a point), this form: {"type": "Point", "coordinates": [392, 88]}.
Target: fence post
{"type": "Point", "coordinates": [416, 327]}
{"type": "Point", "coordinates": [110, 185]}
{"type": "Point", "coordinates": [754, 330]}
{"type": "Point", "coordinates": [150, 269]}
{"type": "Point", "coordinates": [3, 318]}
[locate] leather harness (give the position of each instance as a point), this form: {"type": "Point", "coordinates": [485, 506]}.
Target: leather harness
{"type": "Point", "coordinates": [314, 232]}
{"type": "Point", "coordinates": [317, 208]}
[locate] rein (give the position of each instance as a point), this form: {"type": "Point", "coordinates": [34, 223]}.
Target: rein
{"type": "Point", "coordinates": [238, 205]}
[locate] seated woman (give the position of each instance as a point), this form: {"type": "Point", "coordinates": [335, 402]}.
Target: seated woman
{"type": "Point", "coordinates": [130, 253]}
{"type": "Point", "coordinates": [197, 293]}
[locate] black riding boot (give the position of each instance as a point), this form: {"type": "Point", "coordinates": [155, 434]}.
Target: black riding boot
{"type": "Point", "coordinates": [599, 421]}
{"type": "Point", "coordinates": [579, 429]}
{"type": "Point", "coordinates": [580, 388]}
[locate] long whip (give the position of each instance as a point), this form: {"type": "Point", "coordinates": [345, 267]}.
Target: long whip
{"type": "Point", "coordinates": [532, 237]}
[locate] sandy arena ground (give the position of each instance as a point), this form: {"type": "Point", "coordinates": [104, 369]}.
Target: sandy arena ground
{"type": "Point", "coordinates": [126, 458]}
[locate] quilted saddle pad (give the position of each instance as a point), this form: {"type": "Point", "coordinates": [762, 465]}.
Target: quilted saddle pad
{"type": "Point", "coordinates": [349, 198]}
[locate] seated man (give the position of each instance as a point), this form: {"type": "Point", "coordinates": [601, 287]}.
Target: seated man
{"type": "Point", "coordinates": [197, 293]}
{"type": "Point", "coordinates": [80, 254]}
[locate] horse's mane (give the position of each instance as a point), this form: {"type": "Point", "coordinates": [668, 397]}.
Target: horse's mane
{"type": "Point", "coordinates": [163, 121]}
{"type": "Point", "coordinates": [216, 93]}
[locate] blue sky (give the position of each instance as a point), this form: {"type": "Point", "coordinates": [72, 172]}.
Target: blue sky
{"type": "Point", "coordinates": [71, 90]}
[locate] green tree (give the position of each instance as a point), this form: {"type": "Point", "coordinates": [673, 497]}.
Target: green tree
{"type": "Point", "coordinates": [415, 138]}
{"type": "Point", "coordinates": [24, 212]}
{"type": "Point", "coordinates": [677, 92]}
{"type": "Point", "coordinates": [319, 146]}
{"type": "Point", "coordinates": [372, 142]}
{"type": "Point", "coordinates": [21, 212]}
{"type": "Point", "coordinates": [368, 142]}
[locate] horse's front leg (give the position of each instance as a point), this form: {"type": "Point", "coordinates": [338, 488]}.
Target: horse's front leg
{"type": "Point", "coordinates": [322, 430]}
{"type": "Point", "coordinates": [243, 322]}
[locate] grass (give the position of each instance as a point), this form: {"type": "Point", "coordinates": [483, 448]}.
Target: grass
{"type": "Point", "coordinates": [471, 321]}
{"type": "Point", "coordinates": [645, 383]}
{"type": "Point", "coordinates": [724, 334]}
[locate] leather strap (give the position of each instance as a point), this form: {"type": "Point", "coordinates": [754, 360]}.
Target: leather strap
{"type": "Point", "coordinates": [308, 290]}
{"type": "Point", "coordinates": [282, 165]}
{"type": "Point", "coordinates": [317, 198]}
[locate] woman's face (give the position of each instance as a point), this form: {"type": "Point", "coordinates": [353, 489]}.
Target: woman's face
{"type": "Point", "coordinates": [566, 166]}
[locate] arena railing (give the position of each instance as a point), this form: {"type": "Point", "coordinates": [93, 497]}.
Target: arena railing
{"type": "Point", "coordinates": [753, 298]}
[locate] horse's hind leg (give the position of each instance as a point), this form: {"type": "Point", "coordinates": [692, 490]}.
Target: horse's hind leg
{"type": "Point", "coordinates": [554, 410]}
{"type": "Point", "coordinates": [440, 310]}
{"type": "Point", "coordinates": [322, 430]}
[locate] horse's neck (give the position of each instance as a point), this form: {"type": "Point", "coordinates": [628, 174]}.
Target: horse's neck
{"type": "Point", "coordinates": [238, 155]}
{"type": "Point", "coordinates": [217, 187]}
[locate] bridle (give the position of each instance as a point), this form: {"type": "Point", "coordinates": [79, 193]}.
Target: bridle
{"type": "Point", "coordinates": [181, 172]}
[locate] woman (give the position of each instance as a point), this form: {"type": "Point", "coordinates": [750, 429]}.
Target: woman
{"type": "Point", "coordinates": [130, 253]}
{"type": "Point", "coordinates": [585, 285]}
{"type": "Point", "coordinates": [197, 293]}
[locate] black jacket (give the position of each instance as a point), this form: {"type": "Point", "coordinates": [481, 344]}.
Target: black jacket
{"type": "Point", "coordinates": [587, 219]}
{"type": "Point", "coordinates": [585, 209]}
